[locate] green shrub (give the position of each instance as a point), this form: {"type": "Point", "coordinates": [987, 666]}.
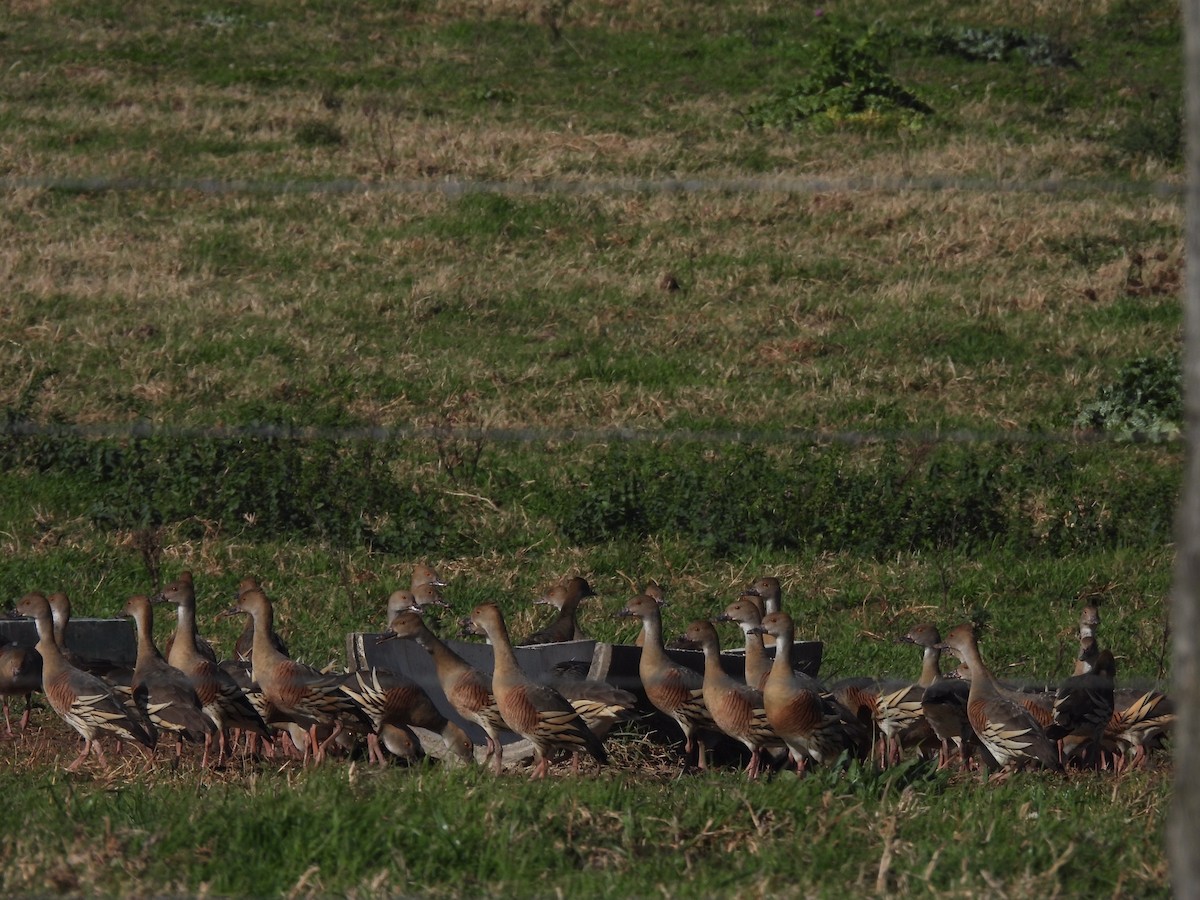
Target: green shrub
{"type": "Point", "coordinates": [997, 45]}
{"type": "Point", "coordinates": [1154, 133]}
{"type": "Point", "coordinates": [898, 499]}
{"type": "Point", "coordinates": [848, 80]}
{"type": "Point", "coordinates": [319, 134]}
{"type": "Point", "coordinates": [1144, 403]}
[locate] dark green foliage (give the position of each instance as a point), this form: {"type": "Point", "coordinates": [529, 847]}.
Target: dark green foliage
{"type": "Point", "coordinates": [726, 500]}
{"type": "Point", "coordinates": [1144, 403]}
{"type": "Point", "coordinates": [972, 497]}
{"type": "Point", "coordinates": [847, 78]}
{"type": "Point", "coordinates": [319, 134]}
{"type": "Point", "coordinates": [1154, 133]}
{"type": "Point", "coordinates": [273, 486]}
{"type": "Point", "coordinates": [721, 499]}
{"type": "Point", "coordinates": [998, 45]}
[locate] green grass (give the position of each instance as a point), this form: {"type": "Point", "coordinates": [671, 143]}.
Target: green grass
{"type": "Point", "coordinates": [454, 833]}
{"type": "Point", "coordinates": [893, 314]}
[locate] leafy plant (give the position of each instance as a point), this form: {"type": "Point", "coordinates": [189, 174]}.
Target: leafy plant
{"type": "Point", "coordinates": [1145, 402]}
{"type": "Point", "coordinates": [492, 94]}
{"type": "Point", "coordinates": [1154, 133]}
{"type": "Point", "coordinates": [998, 45]}
{"type": "Point", "coordinates": [848, 79]}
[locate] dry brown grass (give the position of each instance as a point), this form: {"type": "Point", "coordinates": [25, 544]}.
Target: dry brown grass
{"type": "Point", "coordinates": [125, 304]}
{"type": "Point", "coordinates": [111, 292]}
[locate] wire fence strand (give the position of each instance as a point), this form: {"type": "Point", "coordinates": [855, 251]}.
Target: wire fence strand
{"type": "Point", "coordinates": [456, 187]}
{"type": "Point", "coordinates": [548, 435]}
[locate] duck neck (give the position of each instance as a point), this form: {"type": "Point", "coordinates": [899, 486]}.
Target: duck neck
{"type": "Point", "coordinates": [981, 677]}
{"type": "Point", "coordinates": [263, 652]}
{"type": "Point", "coordinates": [713, 670]}
{"type": "Point", "coordinates": [47, 646]}
{"type": "Point", "coordinates": [783, 653]}
{"type": "Point", "coordinates": [931, 666]}
{"type": "Point", "coordinates": [755, 649]}
{"type": "Point", "coordinates": [444, 659]}
{"type": "Point", "coordinates": [58, 629]}
{"type": "Point", "coordinates": [652, 642]}
{"type": "Point", "coordinates": [504, 658]}
{"type": "Point", "coordinates": [185, 628]}
{"type": "Point", "coordinates": [147, 653]}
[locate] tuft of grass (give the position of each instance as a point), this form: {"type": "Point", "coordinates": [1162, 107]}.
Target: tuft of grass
{"type": "Point", "coordinates": [315, 133]}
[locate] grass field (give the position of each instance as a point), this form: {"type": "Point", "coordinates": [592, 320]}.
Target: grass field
{"type": "Point", "coordinates": [786, 368]}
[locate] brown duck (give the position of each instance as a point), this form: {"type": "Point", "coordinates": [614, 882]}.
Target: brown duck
{"type": "Point", "coordinates": [673, 689]}
{"type": "Point", "coordinates": [82, 700]}
{"type": "Point", "coordinates": [535, 711]}
{"type": "Point", "coordinates": [737, 709]}
{"type": "Point", "coordinates": [1004, 726]}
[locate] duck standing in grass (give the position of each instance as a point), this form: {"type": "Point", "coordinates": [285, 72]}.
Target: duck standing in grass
{"type": "Point", "coordinates": [535, 711]}
{"type": "Point", "coordinates": [737, 709]}
{"type": "Point", "coordinates": [221, 698]}
{"type": "Point", "coordinates": [82, 700]}
{"type": "Point", "coordinates": [1005, 727]}
{"type": "Point", "coordinates": [311, 699]}
{"type": "Point", "coordinates": [468, 689]}
{"type": "Point", "coordinates": [673, 689]}
{"type": "Point", "coordinates": [164, 694]}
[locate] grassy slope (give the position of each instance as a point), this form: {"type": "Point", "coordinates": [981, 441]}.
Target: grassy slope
{"type": "Point", "coordinates": [854, 310]}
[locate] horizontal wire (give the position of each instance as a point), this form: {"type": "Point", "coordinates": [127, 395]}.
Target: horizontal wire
{"type": "Point", "coordinates": [538, 435]}
{"type": "Point", "coordinates": [456, 187]}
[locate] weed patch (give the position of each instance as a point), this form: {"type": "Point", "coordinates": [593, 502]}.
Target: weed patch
{"type": "Point", "coordinates": [848, 83]}
{"type": "Point", "coordinates": [319, 134]}
{"type": "Point", "coordinates": [998, 45]}
{"type": "Point", "coordinates": [1145, 402]}
{"type": "Point", "coordinates": [1155, 134]}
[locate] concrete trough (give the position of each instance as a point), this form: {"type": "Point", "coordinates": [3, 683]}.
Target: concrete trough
{"type": "Point", "coordinates": [112, 640]}
{"type": "Point", "coordinates": [615, 663]}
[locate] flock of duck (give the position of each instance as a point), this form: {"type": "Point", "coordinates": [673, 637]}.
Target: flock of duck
{"type": "Point", "coordinates": [263, 701]}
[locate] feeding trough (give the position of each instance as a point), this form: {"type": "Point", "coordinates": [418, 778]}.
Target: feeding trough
{"type": "Point", "coordinates": [109, 640]}
{"type": "Point", "coordinates": [597, 660]}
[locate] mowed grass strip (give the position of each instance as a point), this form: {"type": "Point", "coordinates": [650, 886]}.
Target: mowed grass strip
{"type": "Point", "coordinates": [835, 312]}
{"type": "Point", "coordinates": [436, 832]}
